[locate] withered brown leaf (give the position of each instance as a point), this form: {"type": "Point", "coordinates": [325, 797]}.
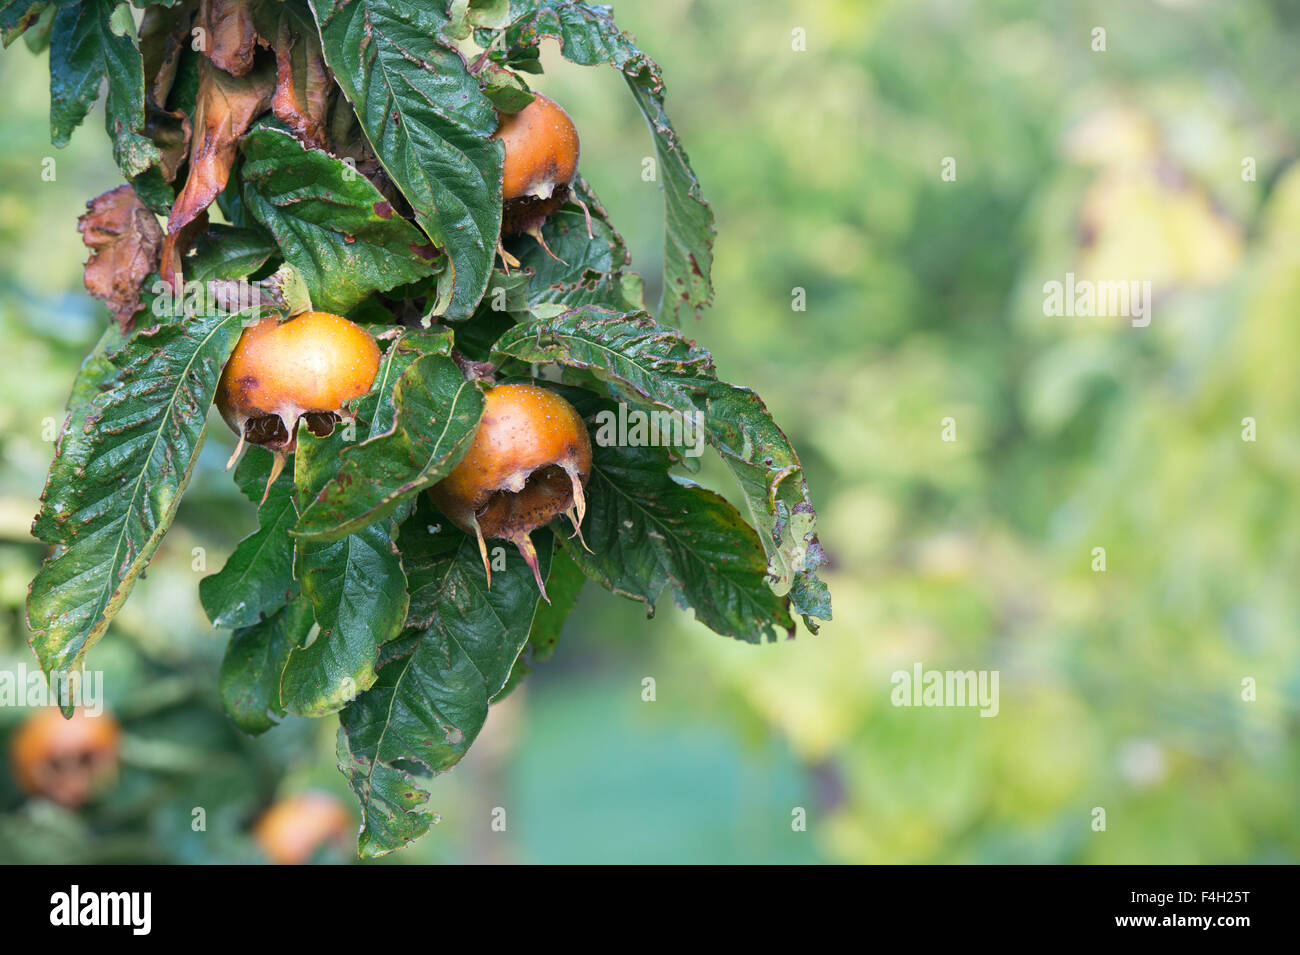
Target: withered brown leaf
{"type": "Point", "coordinates": [302, 84]}
{"type": "Point", "coordinates": [124, 239]}
{"type": "Point", "coordinates": [227, 106]}
{"type": "Point", "coordinates": [231, 37]}
{"type": "Point", "coordinates": [163, 33]}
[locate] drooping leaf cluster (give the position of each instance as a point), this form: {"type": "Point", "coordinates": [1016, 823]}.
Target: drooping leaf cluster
{"type": "Point", "coordinates": [343, 149]}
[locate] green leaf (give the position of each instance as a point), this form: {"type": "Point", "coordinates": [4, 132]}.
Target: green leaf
{"type": "Point", "coordinates": [36, 33]}
{"type": "Point", "coordinates": [154, 191]}
{"type": "Point", "coordinates": [228, 252]}
{"type": "Point", "coordinates": [428, 706]}
{"type": "Point", "coordinates": [377, 411]}
{"type": "Point", "coordinates": [650, 364]}
{"type": "Point", "coordinates": [505, 88]}
{"type": "Point", "coordinates": [95, 375]}
{"type": "Point", "coordinates": [437, 414]}
{"type": "Point", "coordinates": [429, 123]}
{"type": "Point", "coordinates": [358, 594]}
{"type": "Point", "coordinates": [84, 50]}
{"type": "Point", "coordinates": [18, 16]}
{"type": "Point", "coordinates": [254, 663]}
{"type": "Point", "coordinates": [475, 338]}
{"type": "Point", "coordinates": [73, 447]}
{"type": "Point", "coordinates": [464, 15]}
{"type": "Point", "coordinates": [392, 813]}
{"type": "Point", "coordinates": [588, 35]}
{"type": "Point", "coordinates": [647, 530]}
{"type": "Point", "coordinates": [329, 221]}
{"type": "Point", "coordinates": [257, 579]}
{"type": "Point", "coordinates": [583, 270]}
{"type": "Point", "coordinates": [113, 490]}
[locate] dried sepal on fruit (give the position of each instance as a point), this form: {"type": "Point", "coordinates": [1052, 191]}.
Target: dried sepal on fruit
{"type": "Point", "coordinates": [527, 464]}
{"type": "Point", "coordinates": [541, 159]}
{"type": "Point", "coordinates": [306, 368]}
{"type": "Point", "coordinates": [65, 760]}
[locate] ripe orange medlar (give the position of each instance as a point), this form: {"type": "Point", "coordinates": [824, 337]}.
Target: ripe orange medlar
{"type": "Point", "coordinates": [527, 464]}
{"type": "Point", "coordinates": [291, 830]}
{"type": "Point", "coordinates": [306, 367]}
{"type": "Point", "coordinates": [541, 160]}
{"type": "Point", "coordinates": [65, 760]}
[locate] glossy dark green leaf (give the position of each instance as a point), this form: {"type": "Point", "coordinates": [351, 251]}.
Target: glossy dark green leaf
{"type": "Point", "coordinates": [329, 221]}
{"type": "Point", "coordinates": [228, 252]}
{"type": "Point", "coordinates": [580, 269]}
{"type": "Point", "coordinates": [429, 705]}
{"type": "Point", "coordinates": [356, 585]}
{"type": "Point", "coordinates": [84, 51]}
{"type": "Point", "coordinates": [437, 414]}
{"type": "Point", "coordinates": [357, 591]}
{"type": "Point", "coordinates": [257, 579]}
{"type": "Point", "coordinates": [113, 490]}
{"type": "Point", "coordinates": [154, 191]}
{"type": "Point", "coordinates": [429, 123]}
{"type": "Point", "coordinates": [563, 584]}
{"type": "Point", "coordinates": [588, 35]}
{"type": "Point", "coordinates": [649, 364]}
{"type": "Point", "coordinates": [647, 530]}
{"type": "Point", "coordinates": [254, 663]}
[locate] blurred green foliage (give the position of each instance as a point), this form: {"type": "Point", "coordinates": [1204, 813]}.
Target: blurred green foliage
{"type": "Point", "coordinates": [1120, 689]}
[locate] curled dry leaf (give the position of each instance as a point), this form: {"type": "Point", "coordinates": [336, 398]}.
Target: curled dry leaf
{"type": "Point", "coordinates": [163, 33]}
{"type": "Point", "coordinates": [227, 106]}
{"type": "Point", "coordinates": [302, 84]}
{"type": "Point", "coordinates": [171, 133]}
{"type": "Point", "coordinates": [229, 33]}
{"type": "Point", "coordinates": [124, 239]}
